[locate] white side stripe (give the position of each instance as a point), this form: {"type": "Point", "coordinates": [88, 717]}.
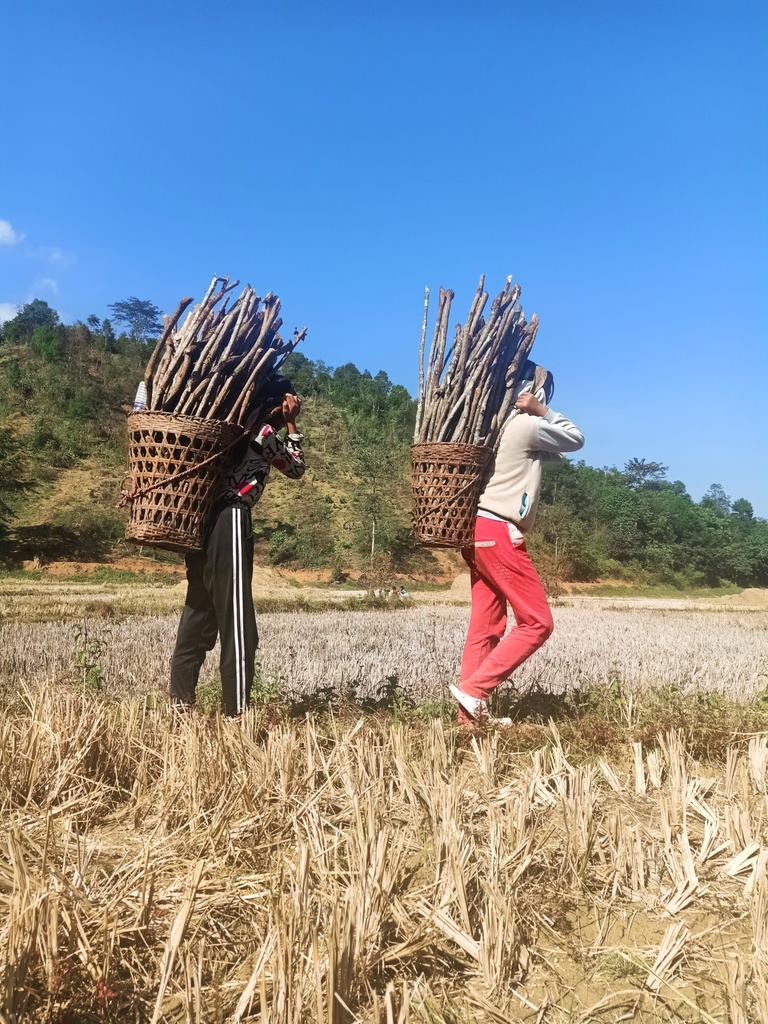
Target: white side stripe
{"type": "Point", "coordinates": [235, 570]}
{"type": "Point", "coordinates": [241, 602]}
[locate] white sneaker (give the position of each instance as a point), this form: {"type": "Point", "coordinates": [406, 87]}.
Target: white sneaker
{"type": "Point", "coordinates": [477, 708]}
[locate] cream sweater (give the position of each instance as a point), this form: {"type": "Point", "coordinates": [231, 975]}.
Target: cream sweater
{"type": "Point", "coordinates": [512, 492]}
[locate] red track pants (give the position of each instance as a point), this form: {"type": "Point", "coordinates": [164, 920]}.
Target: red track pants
{"type": "Point", "coordinates": [501, 574]}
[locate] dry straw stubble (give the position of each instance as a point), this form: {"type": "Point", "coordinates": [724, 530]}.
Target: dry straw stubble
{"type": "Point", "coordinates": [187, 869]}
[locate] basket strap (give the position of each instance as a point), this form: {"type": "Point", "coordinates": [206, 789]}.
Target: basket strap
{"type": "Point", "coordinates": [438, 502]}
{"type": "Point", "coordinates": [128, 497]}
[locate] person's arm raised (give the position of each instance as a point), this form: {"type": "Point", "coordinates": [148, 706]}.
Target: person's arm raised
{"type": "Point", "coordinates": [288, 455]}
{"type": "Point", "coordinates": [556, 434]}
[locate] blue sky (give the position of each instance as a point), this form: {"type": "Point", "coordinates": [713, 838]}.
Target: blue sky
{"type": "Point", "coordinates": [611, 156]}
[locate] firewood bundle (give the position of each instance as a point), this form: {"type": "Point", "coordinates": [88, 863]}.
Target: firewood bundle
{"type": "Point", "coordinates": [211, 366]}
{"type": "Point", "coordinates": [466, 393]}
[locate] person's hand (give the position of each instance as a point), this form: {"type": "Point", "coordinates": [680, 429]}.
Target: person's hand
{"type": "Point", "coordinates": [529, 403]}
{"type": "Point", "coordinates": [128, 489]}
{"type": "Point", "coordinates": [291, 409]}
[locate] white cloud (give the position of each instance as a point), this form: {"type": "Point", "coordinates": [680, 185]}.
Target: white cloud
{"type": "Point", "coordinates": [44, 284]}
{"type": "Point", "coordinates": [61, 258]}
{"type": "Point", "coordinates": [8, 234]}
{"type": "Point", "coordinates": [8, 311]}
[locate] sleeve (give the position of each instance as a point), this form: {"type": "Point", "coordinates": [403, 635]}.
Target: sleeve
{"type": "Point", "coordinates": [557, 435]}
{"type": "Point", "coordinates": [287, 456]}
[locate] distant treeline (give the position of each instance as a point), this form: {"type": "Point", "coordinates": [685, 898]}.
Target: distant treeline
{"type": "Point", "coordinates": [371, 404]}
{"type": "Point", "coordinates": [63, 393]}
{"type": "Point", "coordinates": [635, 524]}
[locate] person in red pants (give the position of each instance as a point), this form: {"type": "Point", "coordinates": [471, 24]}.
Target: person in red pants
{"type": "Point", "coordinates": [501, 569]}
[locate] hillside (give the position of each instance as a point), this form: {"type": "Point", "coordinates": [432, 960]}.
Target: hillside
{"type": "Point", "coordinates": [64, 395]}
{"type": "Point", "coordinates": [65, 392]}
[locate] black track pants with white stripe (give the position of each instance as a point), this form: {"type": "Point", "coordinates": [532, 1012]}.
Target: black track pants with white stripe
{"type": "Point", "coordinates": [219, 603]}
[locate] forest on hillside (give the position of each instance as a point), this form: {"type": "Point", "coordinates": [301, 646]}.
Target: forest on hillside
{"type": "Point", "coordinates": [65, 391]}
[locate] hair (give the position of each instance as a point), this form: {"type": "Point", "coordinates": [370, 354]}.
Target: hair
{"type": "Point", "coordinates": [535, 374]}
{"type": "Point", "coordinates": [548, 384]}
{"type": "Point", "coordinates": [273, 390]}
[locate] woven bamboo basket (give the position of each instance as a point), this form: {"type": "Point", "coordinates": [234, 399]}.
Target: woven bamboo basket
{"type": "Point", "coordinates": [176, 464]}
{"type": "Point", "coordinates": [447, 480]}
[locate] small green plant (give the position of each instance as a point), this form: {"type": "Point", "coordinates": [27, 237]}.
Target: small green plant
{"type": "Point", "coordinates": [618, 965]}
{"type": "Point", "coordinates": [442, 709]}
{"type": "Point", "coordinates": [89, 651]}
{"type": "Point", "coordinates": [265, 690]}
{"type": "Point", "coordinates": [208, 695]}
{"type": "Point", "coordinates": [390, 696]}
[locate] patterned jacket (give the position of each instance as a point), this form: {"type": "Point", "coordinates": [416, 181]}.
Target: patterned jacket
{"type": "Point", "coordinates": [247, 480]}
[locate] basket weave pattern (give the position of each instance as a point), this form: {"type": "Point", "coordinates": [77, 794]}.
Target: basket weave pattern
{"type": "Point", "coordinates": [447, 480]}
{"type": "Point", "coordinates": [174, 493]}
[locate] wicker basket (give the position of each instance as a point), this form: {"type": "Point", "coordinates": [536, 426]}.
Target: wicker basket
{"type": "Point", "coordinates": [176, 465]}
{"type": "Point", "coordinates": [447, 481]}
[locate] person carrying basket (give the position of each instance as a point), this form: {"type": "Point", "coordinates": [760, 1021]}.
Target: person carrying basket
{"type": "Point", "coordinates": [501, 569]}
{"type": "Point", "coordinates": [219, 601]}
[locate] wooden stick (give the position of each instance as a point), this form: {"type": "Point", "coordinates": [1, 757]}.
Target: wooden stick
{"type": "Point", "coordinates": [467, 392]}
{"type": "Point", "coordinates": [217, 345]}
{"type": "Point", "coordinates": [260, 364]}
{"type": "Point", "coordinates": [183, 338]}
{"type": "Point", "coordinates": [233, 324]}
{"type": "Point", "coordinates": [170, 324]}
{"type": "Point", "coordinates": [420, 404]}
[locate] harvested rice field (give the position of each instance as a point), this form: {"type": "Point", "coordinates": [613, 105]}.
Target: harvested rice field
{"type": "Point", "coordinates": [636, 643]}
{"type": "Point", "coordinates": [344, 854]}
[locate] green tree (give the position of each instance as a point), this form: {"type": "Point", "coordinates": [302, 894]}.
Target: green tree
{"type": "Point", "coordinates": [717, 500]}
{"type": "Point", "coordinates": [46, 343]}
{"type": "Point", "coordinates": [142, 317]}
{"type": "Point", "coordinates": [35, 314]}
{"type": "Point", "coordinates": [743, 510]}
{"type": "Point", "coordinates": [301, 372]}
{"type": "Point", "coordinates": [641, 473]}
{"type": "Point", "coordinates": [108, 330]}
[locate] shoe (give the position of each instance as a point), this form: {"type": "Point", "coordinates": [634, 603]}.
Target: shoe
{"type": "Point", "coordinates": [477, 708]}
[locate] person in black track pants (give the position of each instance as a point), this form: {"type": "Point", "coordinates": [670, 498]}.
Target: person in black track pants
{"type": "Point", "coordinates": [219, 600]}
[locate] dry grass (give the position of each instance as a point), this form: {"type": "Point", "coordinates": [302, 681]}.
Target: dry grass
{"type": "Point", "coordinates": [344, 867]}
{"type": "Point", "coordinates": [189, 869]}
{"type": "Point", "coordinates": [420, 649]}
